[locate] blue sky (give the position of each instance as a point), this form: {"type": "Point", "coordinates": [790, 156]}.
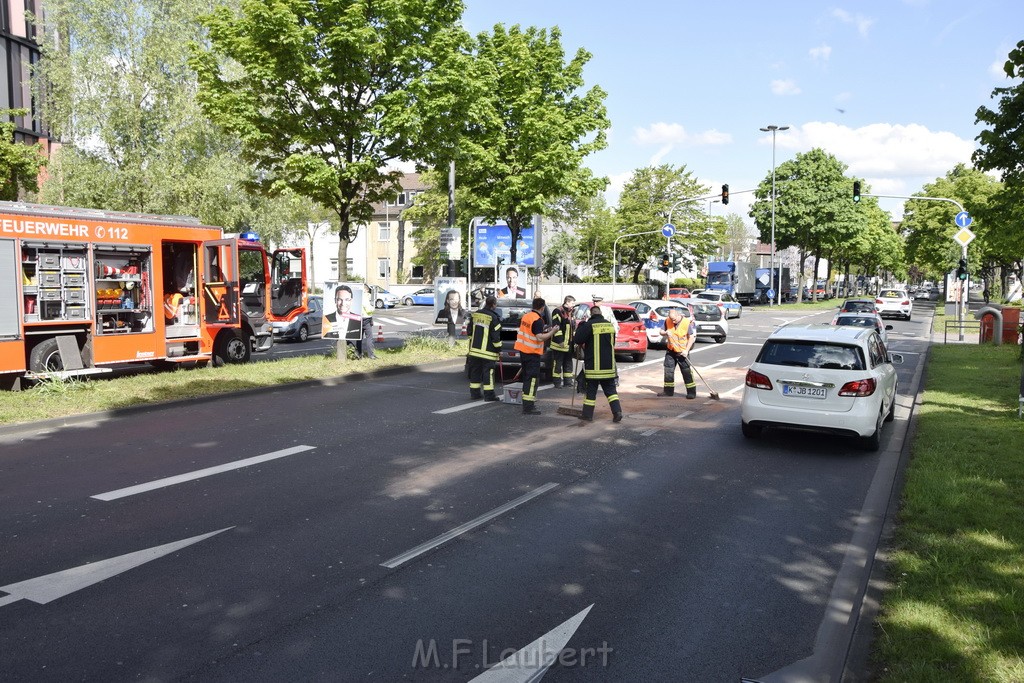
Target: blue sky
{"type": "Point", "coordinates": [888, 87]}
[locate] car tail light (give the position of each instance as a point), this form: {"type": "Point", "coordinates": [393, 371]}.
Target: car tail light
{"type": "Point", "coordinates": [755, 380]}
{"type": "Point", "coordinates": [879, 301]}
{"type": "Point", "coordinates": [906, 303]}
{"type": "Point", "coordinates": [653, 316]}
{"type": "Point", "coordinates": [860, 387]}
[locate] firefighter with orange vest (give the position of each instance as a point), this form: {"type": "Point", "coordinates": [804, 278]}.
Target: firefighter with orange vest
{"type": "Point", "coordinates": [533, 332]}
{"type": "Point", "coordinates": [681, 333]}
{"type": "Point", "coordinates": [484, 349]}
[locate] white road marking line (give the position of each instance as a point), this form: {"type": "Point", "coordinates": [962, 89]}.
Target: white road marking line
{"type": "Point", "coordinates": [655, 430]}
{"type": "Point", "coordinates": [734, 390]}
{"type": "Point", "coordinates": [199, 474]}
{"type": "Point", "coordinates": [386, 321]}
{"type": "Point", "coordinates": [407, 321]}
{"type": "Point", "coordinates": [44, 589]}
{"type": "Point", "coordinates": [530, 663]}
{"type": "Point", "coordinates": [468, 526]}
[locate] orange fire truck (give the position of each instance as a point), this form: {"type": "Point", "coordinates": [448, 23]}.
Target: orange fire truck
{"type": "Point", "coordinates": [83, 290]}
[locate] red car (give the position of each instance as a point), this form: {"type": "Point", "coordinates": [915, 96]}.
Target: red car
{"type": "Point", "coordinates": [678, 293]}
{"type": "Point", "coordinates": [632, 336]}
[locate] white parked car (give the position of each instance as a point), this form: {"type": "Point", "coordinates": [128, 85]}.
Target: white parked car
{"type": "Point", "coordinates": [824, 378]}
{"type": "Point", "coordinates": [894, 302]}
{"type": "Point", "coordinates": [724, 300]}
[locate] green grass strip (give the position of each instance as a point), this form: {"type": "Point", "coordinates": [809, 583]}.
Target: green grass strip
{"type": "Point", "coordinates": [955, 607]}
{"type": "Point", "coordinates": [74, 396]}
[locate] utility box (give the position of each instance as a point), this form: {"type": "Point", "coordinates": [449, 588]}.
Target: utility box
{"type": "Point", "coordinates": [1011, 325]}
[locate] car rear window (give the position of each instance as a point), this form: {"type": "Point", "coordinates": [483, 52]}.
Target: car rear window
{"type": "Point", "coordinates": [891, 294]}
{"type": "Point", "coordinates": [626, 315]}
{"type": "Point", "coordinates": [706, 309]}
{"type": "Point", "coordinates": [859, 306]}
{"type": "Point", "coordinates": [710, 296]}
{"type": "Point", "coordinates": [857, 320]}
{"type": "Point", "coordinates": [811, 354]}
{"type": "Point", "coordinates": [663, 311]}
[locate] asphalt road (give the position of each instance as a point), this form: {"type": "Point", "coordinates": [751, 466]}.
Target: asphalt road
{"type": "Point", "coordinates": [389, 529]}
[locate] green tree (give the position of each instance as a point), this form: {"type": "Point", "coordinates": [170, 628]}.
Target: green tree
{"type": "Point", "coordinates": [647, 199]}
{"type": "Point", "coordinates": [814, 210]}
{"type": "Point", "coordinates": [596, 238]}
{"type": "Point", "coordinates": [533, 129]}
{"type": "Point", "coordinates": [1001, 149]}
{"type": "Point", "coordinates": [19, 163]}
{"type": "Point", "coordinates": [121, 96]}
{"type": "Point", "coordinates": [735, 236]}
{"type": "Point", "coordinates": [929, 224]}
{"type": "Point", "coordinates": [325, 94]}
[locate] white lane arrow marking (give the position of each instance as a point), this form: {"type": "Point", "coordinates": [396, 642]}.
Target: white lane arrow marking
{"type": "Point", "coordinates": [533, 661]}
{"type": "Point", "coordinates": [48, 588]}
{"type": "Point", "coordinates": [721, 362]}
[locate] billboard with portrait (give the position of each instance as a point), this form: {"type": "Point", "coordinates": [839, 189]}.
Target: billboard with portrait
{"type": "Point", "coordinates": [450, 301]}
{"type": "Point", "coordinates": [494, 242]}
{"type": "Point", "coordinates": [512, 280]}
{"type": "Point", "coordinates": [342, 305]}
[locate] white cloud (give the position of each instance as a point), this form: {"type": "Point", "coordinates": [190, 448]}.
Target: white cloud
{"type": "Point", "coordinates": [884, 151]}
{"type": "Point", "coordinates": [670, 134]}
{"type": "Point", "coordinates": [859, 20]}
{"type": "Point", "coordinates": [659, 134]}
{"type": "Point", "coordinates": [785, 87]}
{"type": "Point", "coordinates": [822, 52]}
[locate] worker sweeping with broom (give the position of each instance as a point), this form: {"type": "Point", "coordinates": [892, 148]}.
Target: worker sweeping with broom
{"type": "Point", "coordinates": [596, 337]}
{"type": "Point", "coordinates": [681, 335]}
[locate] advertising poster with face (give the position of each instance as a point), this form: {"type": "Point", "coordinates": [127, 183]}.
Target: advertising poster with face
{"type": "Point", "coordinates": [342, 304]}
{"type": "Point", "coordinates": [511, 281]}
{"type": "Point", "coordinates": [450, 302]}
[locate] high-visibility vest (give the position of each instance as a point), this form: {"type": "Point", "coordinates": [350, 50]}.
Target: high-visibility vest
{"type": "Point", "coordinates": [599, 352]}
{"type": "Point", "coordinates": [563, 328]}
{"type": "Point", "coordinates": [526, 340]}
{"type": "Point", "coordinates": [679, 335]}
{"type": "Point", "coordinates": [484, 334]}
{"type": "Point", "coordinates": [172, 306]}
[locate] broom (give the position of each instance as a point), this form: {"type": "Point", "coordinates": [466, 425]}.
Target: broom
{"type": "Point", "coordinates": [571, 410]}
{"type": "Point", "coordinates": [712, 392]}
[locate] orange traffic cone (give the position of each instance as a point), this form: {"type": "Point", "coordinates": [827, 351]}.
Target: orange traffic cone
{"type": "Point", "coordinates": [380, 333]}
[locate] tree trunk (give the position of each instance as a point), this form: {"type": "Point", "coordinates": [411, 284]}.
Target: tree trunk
{"type": "Point", "coordinates": [401, 247]}
{"type": "Point", "coordinates": [343, 260]}
{"type": "Point", "coordinates": [814, 278]}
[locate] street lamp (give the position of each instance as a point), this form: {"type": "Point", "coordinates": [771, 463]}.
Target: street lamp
{"type": "Point", "coordinates": [778, 281]}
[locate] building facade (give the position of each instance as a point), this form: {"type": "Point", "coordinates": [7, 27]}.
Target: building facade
{"type": "Point", "coordinates": [19, 52]}
{"type": "Point", "coordinates": [383, 250]}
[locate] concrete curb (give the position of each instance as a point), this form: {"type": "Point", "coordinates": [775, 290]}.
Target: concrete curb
{"type": "Point", "coordinates": [88, 418]}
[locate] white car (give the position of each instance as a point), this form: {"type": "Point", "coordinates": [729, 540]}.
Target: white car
{"type": "Point", "coordinates": [894, 302]}
{"type": "Point", "coordinates": [711, 320]}
{"type": "Point", "coordinates": [653, 312]}
{"type": "Point", "coordinates": [871, 320]}
{"type": "Point", "coordinates": [823, 378]}
{"type": "Point", "coordinates": [724, 300]}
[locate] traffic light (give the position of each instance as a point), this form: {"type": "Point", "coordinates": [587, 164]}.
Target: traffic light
{"type": "Point", "coordinates": [665, 262]}
{"type": "Point", "coordinates": [675, 263]}
{"type": "Point", "coordinates": [725, 194]}
{"type": "Point", "coordinates": [856, 190]}
{"type": "Point", "coordinates": [961, 270]}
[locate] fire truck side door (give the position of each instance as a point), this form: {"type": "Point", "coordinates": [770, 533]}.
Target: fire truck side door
{"type": "Point", "coordinates": [289, 288]}
{"type": "Point", "coordinates": [12, 348]}
{"type": "Point", "coordinates": [220, 281]}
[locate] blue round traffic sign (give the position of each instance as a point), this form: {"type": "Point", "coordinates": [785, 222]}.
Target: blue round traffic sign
{"type": "Point", "coordinates": [963, 219]}
{"type": "Point", "coordinates": [668, 230]}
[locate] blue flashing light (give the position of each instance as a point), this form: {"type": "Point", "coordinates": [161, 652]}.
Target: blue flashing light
{"type": "Point", "coordinates": [250, 236]}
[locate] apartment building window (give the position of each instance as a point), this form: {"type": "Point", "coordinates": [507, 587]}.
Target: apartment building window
{"type": "Point", "coordinates": [384, 231]}
{"type": "Point", "coordinates": [383, 268]}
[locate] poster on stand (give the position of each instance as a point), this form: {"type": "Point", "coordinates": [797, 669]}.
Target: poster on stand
{"type": "Point", "coordinates": [342, 305]}
{"type": "Point", "coordinates": [511, 281]}
{"type": "Point", "coordinates": [450, 301]}
{"type": "Point", "coordinates": [493, 243]}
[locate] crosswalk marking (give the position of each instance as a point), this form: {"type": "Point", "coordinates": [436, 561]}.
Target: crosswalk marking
{"type": "Point", "coordinates": [396, 321]}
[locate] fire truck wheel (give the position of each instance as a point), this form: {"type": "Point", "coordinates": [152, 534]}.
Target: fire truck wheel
{"type": "Point", "coordinates": [45, 357]}
{"type": "Point", "coordinates": [231, 347]}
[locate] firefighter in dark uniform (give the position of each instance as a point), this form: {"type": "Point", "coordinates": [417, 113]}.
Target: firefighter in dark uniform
{"type": "Point", "coordinates": [561, 344]}
{"type": "Point", "coordinates": [596, 337]}
{"type": "Point", "coordinates": [681, 333]}
{"type": "Point", "coordinates": [484, 350]}
{"type": "Point", "coordinates": [530, 345]}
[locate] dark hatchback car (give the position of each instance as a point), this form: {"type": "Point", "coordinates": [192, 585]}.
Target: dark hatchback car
{"type": "Point", "coordinates": [511, 312]}
{"type": "Point", "coordinates": [302, 325]}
